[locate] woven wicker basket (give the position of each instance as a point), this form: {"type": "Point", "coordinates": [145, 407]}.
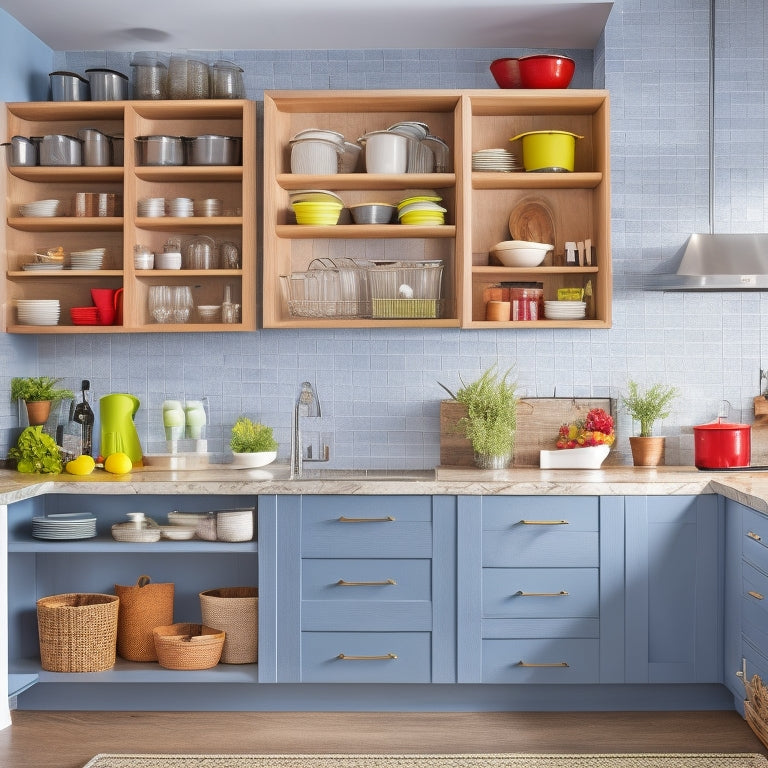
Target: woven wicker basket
{"type": "Point", "coordinates": [188, 646]}
{"type": "Point", "coordinates": [78, 632]}
{"type": "Point", "coordinates": [235, 610]}
{"type": "Point", "coordinates": [756, 707]}
{"type": "Point", "coordinates": [143, 607]}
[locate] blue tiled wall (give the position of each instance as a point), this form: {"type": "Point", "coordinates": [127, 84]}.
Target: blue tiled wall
{"type": "Point", "coordinates": [379, 388]}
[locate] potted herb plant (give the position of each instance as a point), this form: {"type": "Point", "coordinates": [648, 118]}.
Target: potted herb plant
{"type": "Point", "coordinates": [38, 392]}
{"type": "Point", "coordinates": [491, 403]}
{"type": "Point", "coordinates": [647, 406]}
{"type": "Point", "coordinates": [252, 443]}
{"type": "Point", "coordinates": [36, 452]}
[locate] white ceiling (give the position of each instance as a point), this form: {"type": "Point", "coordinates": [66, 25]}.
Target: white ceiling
{"type": "Point", "coordinates": [131, 25]}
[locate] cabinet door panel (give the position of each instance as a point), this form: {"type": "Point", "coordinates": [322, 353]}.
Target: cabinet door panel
{"type": "Point", "coordinates": [755, 538]}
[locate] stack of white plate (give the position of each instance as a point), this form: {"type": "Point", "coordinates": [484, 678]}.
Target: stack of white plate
{"type": "Point", "coordinates": [565, 310]}
{"type": "Point", "coordinates": [40, 208]}
{"type": "Point", "coordinates": [38, 311]}
{"type": "Point", "coordinates": [494, 160]}
{"type": "Point", "coordinates": [151, 206]}
{"type": "Point", "coordinates": [181, 206]}
{"type": "Point", "coordinates": [90, 259]}
{"type": "Point", "coordinates": [68, 525]}
{"type": "Point", "coordinates": [35, 266]}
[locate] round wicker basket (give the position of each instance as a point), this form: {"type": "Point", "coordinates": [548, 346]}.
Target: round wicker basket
{"type": "Point", "coordinates": [235, 611]}
{"type": "Point", "coordinates": [188, 646]}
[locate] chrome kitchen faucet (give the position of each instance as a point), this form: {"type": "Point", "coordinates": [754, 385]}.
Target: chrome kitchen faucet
{"type": "Point", "coordinates": [307, 406]}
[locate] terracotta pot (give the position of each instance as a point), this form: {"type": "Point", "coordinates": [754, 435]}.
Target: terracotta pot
{"type": "Point", "coordinates": [647, 451]}
{"type": "Point", "coordinates": [38, 412]}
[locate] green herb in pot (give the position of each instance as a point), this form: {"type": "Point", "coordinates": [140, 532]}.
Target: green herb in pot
{"type": "Point", "coordinates": [36, 452]}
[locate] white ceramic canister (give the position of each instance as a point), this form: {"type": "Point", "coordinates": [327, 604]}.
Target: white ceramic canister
{"type": "Point", "coordinates": [385, 152]}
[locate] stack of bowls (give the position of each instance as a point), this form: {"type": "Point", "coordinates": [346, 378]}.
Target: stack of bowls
{"type": "Point", "coordinates": [210, 206]}
{"type": "Point", "coordinates": [373, 213]}
{"type": "Point", "coordinates": [421, 210]}
{"type": "Point", "coordinates": [40, 208]}
{"type": "Point", "coordinates": [565, 310]}
{"type": "Point", "coordinates": [38, 311]}
{"type": "Point", "coordinates": [89, 259]}
{"type": "Point", "coordinates": [181, 207]}
{"type": "Point", "coordinates": [151, 207]}
{"type": "Point", "coordinates": [317, 212]}
{"type": "Point", "coordinates": [168, 260]}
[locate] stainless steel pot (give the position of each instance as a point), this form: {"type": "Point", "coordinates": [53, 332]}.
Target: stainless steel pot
{"type": "Point", "coordinates": [21, 151]}
{"type": "Point", "coordinates": [69, 86]}
{"type": "Point", "coordinates": [107, 84]}
{"type": "Point", "coordinates": [211, 149]}
{"type": "Point", "coordinates": [60, 149]}
{"type": "Point", "coordinates": [159, 150]}
{"type": "Point", "coordinates": [96, 147]}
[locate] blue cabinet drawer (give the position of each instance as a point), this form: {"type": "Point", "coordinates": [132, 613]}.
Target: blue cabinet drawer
{"type": "Point", "coordinates": [755, 538]}
{"type": "Point", "coordinates": [542, 660]}
{"type": "Point", "coordinates": [372, 580]}
{"type": "Point", "coordinates": [366, 526]}
{"type": "Point", "coordinates": [366, 657]}
{"type": "Point", "coordinates": [754, 607]}
{"type": "Point", "coordinates": [574, 513]}
{"type": "Point", "coordinates": [540, 592]}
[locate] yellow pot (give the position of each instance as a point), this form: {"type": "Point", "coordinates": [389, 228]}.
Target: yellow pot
{"type": "Point", "coordinates": [548, 150]}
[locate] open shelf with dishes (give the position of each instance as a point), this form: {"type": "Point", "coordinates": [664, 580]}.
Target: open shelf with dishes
{"type": "Point", "coordinates": [293, 250]}
{"type": "Point", "coordinates": [231, 228]}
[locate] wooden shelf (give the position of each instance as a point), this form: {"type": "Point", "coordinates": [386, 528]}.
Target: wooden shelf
{"type": "Point", "coordinates": [66, 224]}
{"type": "Point", "coordinates": [373, 181]}
{"type": "Point", "coordinates": [363, 231]}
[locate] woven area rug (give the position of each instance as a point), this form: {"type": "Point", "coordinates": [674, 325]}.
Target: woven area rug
{"type": "Point", "coordinates": [431, 761]}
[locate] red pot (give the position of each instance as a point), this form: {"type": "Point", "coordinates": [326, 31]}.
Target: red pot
{"type": "Point", "coordinates": [720, 445]}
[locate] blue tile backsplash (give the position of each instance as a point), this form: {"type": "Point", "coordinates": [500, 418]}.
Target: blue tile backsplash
{"type": "Point", "coordinates": [379, 388]}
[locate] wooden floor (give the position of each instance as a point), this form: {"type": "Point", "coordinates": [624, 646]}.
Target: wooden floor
{"type": "Point", "coordinates": [70, 739]}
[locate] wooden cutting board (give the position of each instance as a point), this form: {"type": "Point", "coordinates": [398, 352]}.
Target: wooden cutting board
{"type": "Point", "coordinates": [538, 421]}
{"type": "Point", "coordinates": [532, 219]}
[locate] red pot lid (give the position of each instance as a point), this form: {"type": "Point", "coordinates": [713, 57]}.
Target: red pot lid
{"type": "Point", "coordinates": [720, 425]}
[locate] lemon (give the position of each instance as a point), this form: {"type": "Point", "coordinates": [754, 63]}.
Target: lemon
{"type": "Point", "coordinates": [118, 463]}
{"type": "Point", "coordinates": [82, 465]}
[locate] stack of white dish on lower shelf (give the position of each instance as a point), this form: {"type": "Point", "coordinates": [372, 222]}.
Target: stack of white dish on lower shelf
{"type": "Point", "coordinates": [40, 208]}
{"type": "Point", "coordinates": [500, 160]}
{"type": "Point", "coordinates": [565, 310]}
{"type": "Point", "coordinates": [38, 311]}
{"type": "Point", "coordinates": [90, 259]}
{"type": "Point", "coordinates": [151, 207]}
{"type": "Point", "coordinates": [68, 525]}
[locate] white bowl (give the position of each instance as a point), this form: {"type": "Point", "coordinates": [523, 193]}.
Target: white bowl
{"type": "Point", "coordinates": [521, 253]}
{"type": "Point", "coordinates": [248, 460]}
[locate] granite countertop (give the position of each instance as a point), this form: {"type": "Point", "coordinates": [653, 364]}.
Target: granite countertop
{"type": "Point", "coordinates": [750, 488]}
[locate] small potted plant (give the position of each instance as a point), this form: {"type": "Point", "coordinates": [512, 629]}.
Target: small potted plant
{"type": "Point", "coordinates": [252, 443]}
{"type": "Point", "coordinates": [36, 452]}
{"type": "Point", "coordinates": [491, 403]}
{"type": "Point", "coordinates": [647, 407]}
{"type": "Point", "coordinates": [38, 392]}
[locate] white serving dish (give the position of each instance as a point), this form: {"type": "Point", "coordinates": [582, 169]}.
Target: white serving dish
{"type": "Point", "coordinates": [521, 253]}
{"type": "Point", "coordinates": [589, 457]}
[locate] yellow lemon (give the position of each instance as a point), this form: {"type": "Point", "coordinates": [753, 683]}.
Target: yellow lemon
{"type": "Point", "coordinates": [82, 465]}
{"type": "Point", "coordinates": [118, 464]}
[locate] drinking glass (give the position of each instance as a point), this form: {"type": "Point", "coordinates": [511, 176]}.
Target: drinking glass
{"type": "Point", "coordinates": [159, 303]}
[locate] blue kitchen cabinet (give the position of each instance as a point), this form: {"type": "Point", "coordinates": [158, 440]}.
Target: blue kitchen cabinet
{"type": "Point", "coordinates": [674, 589]}
{"type": "Point", "coordinates": [540, 589]}
{"type": "Point", "coordinates": [357, 589]}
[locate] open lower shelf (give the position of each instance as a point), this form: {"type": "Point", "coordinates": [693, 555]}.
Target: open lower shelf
{"type": "Point", "coordinates": [108, 544]}
{"type": "Point", "coordinates": [363, 231]}
{"type": "Point", "coordinates": [26, 670]}
{"type": "Point", "coordinates": [523, 180]}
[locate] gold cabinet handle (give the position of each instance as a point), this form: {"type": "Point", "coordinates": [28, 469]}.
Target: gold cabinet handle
{"type": "Point", "coordinates": [383, 657]}
{"type": "Point", "coordinates": [756, 595]}
{"type": "Point", "coordinates": [385, 583]}
{"type": "Point", "coordinates": [520, 593]}
{"type": "Point", "coordinates": [552, 664]}
{"type": "Point", "coordinates": [544, 522]}
{"type": "Point", "coordinates": [387, 519]}
{"type": "Point", "coordinates": [753, 535]}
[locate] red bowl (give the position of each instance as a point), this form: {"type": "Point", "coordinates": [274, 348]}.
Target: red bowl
{"type": "Point", "coordinates": [506, 73]}
{"type": "Point", "coordinates": [546, 70]}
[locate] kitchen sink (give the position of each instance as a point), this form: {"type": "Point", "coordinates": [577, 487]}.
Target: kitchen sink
{"type": "Point", "coordinates": [356, 475]}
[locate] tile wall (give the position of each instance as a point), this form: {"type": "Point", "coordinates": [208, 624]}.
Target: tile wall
{"type": "Point", "coordinates": [379, 389]}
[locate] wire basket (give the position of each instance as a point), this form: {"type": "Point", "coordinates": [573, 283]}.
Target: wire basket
{"type": "Point", "coordinates": [188, 646]}
{"type": "Point", "coordinates": [78, 632]}
{"type": "Point", "coordinates": [406, 289]}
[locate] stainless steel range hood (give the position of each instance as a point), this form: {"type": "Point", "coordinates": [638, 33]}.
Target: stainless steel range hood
{"type": "Point", "coordinates": [728, 262]}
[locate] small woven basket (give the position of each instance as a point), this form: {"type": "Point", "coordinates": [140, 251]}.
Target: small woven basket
{"type": "Point", "coordinates": [188, 646]}
{"type": "Point", "coordinates": [78, 632]}
{"type": "Point", "coordinates": [235, 610]}
{"type": "Point", "coordinates": [756, 708]}
{"type": "Point", "coordinates": [143, 607]}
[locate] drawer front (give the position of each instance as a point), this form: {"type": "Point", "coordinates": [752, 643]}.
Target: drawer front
{"type": "Point", "coordinates": [365, 526]}
{"type": "Point", "coordinates": [755, 538]}
{"type": "Point", "coordinates": [579, 513]}
{"type": "Point", "coordinates": [366, 657]}
{"type": "Point", "coordinates": [540, 592]}
{"type": "Point", "coordinates": [542, 660]}
{"type": "Point", "coordinates": [371, 580]}
{"type": "Point", "coordinates": [754, 606]}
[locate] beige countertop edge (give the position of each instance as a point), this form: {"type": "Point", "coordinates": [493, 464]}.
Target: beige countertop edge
{"type": "Point", "coordinates": [749, 488]}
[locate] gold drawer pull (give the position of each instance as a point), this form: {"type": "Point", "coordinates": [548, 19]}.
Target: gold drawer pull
{"type": "Point", "coordinates": [385, 583]}
{"type": "Point", "coordinates": [544, 522]}
{"type": "Point", "coordinates": [383, 657]}
{"type": "Point", "coordinates": [387, 519]}
{"type": "Point", "coordinates": [553, 664]}
{"type": "Point", "coordinates": [753, 535]}
{"type": "Point", "coordinates": [520, 593]}
{"type": "Point", "coordinates": [756, 595]}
